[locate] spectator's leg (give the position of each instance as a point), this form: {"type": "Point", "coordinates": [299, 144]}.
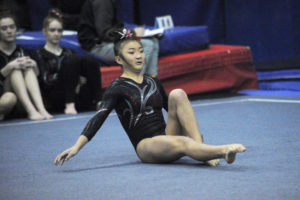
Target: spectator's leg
{"type": "Point", "coordinates": [90, 68]}
{"type": "Point", "coordinates": [18, 85]}
{"type": "Point", "coordinates": [151, 49]}
{"type": "Point", "coordinates": [105, 51]}
{"type": "Point", "coordinates": [69, 75]}
{"type": "Point", "coordinates": [35, 93]}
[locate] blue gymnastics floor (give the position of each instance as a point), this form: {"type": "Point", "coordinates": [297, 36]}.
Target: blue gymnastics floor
{"type": "Point", "coordinates": [107, 168]}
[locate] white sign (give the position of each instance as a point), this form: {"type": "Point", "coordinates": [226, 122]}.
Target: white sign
{"type": "Point", "coordinates": [164, 22]}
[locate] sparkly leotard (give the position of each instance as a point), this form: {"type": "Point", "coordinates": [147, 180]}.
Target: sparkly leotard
{"type": "Point", "coordinates": [139, 108]}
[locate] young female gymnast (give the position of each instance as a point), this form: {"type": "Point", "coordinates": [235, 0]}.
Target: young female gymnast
{"type": "Point", "coordinates": [61, 68]}
{"type": "Point", "coordinates": [138, 100]}
{"type": "Point", "coordinates": [18, 71]}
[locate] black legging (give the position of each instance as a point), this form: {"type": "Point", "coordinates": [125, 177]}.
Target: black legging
{"type": "Point", "coordinates": [64, 90]}
{"type": "Point", "coordinates": [89, 68]}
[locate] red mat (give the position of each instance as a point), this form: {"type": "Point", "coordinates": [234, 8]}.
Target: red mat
{"type": "Point", "coordinates": [219, 68]}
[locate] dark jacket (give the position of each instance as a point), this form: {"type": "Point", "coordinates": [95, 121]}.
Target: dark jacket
{"type": "Point", "coordinates": [96, 18]}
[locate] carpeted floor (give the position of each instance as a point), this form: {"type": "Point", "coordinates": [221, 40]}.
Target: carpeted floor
{"type": "Point", "coordinates": [107, 168]}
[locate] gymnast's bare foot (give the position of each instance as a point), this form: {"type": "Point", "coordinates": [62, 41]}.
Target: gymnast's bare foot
{"type": "Point", "coordinates": [46, 114]}
{"type": "Point", "coordinates": [70, 109]}
{"type": "Point", "coordinates": [35, 116]}
{"type": "Point", "coordinates": [212, 163]}
{"type": "Point", "coordinates": [231, 151]}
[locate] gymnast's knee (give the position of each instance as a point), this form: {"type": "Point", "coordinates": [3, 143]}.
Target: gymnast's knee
{"type": "Point", "coordinates": [7, 102]}
{"type": "Point", "coordinates": [178, 95]}
{"type": "Point", "coordinates": [9, 98]}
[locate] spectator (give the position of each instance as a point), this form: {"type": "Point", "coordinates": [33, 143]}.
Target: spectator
{"type": "Point", "coordinates": [18, 71]}
{"type": "Point", "coordinates": [97, 17]}
{"type": "Point", "coordinates": [61, 69]}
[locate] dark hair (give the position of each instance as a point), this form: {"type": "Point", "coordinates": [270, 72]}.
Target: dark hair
{"type": "Point", "coordinates": [6, 13]}
{"type": "Point", "coordinates": [53, 14]}
{"type": "Point", "coordinates": [121, 36]}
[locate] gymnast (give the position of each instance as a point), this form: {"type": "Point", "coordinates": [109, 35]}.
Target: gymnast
{"type": "Point", "coordinates": [138, 100]}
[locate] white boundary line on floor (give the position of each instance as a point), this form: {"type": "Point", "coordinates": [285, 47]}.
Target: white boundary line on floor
{"type": "Point", "coordinates": [52, 120]}
{"type": "Point", "coordinates": [274, 100]}
{"type": "Point", "coordinates": [194, 105]}
{"type": "Point", "coordinates": [219, 103]}
{"type": "Point", "coordinates": [248, 100]}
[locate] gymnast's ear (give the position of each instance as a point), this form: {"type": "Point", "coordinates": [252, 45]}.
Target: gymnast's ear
{"type": "Point", "coordinates": [119, 60]}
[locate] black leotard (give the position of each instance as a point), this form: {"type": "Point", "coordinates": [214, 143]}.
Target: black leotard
{"type": "Point", "coordinates": [139, 108]}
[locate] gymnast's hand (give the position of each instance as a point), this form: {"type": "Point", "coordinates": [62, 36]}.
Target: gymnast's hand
{"type": "Point", "coordinates": [66, 155]}
{"type": "Point", "coordinates": [69, 153]}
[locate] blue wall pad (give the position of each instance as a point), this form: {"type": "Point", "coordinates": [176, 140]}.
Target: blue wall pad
{"type": "Point", "coordinates": [280, 93]}
{"type": "Point", "coordinates": [34, 40]}
{"type": "Point", "coordinates": [280, 85]}
{"type": "Point", "coordinates": [178, 40]}
{"type": "Point", "coordinates": [183, 39]}
{"type": "Point", "coordinates": [279, 74]}
{"type": "Point", "coordinates": [187, 13]}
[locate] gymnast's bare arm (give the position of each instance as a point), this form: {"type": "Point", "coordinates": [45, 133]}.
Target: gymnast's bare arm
{"type": "Point", "coordinates": [69, 153]}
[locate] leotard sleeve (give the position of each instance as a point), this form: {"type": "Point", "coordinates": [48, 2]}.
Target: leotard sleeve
{"type": "Point", "coordinates": [108, 103]}
{"type": "Point", "coordinates": [163, 93]}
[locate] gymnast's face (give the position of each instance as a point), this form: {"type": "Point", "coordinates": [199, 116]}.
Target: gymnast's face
{"type": "Point", "coordinates": [8, 30]}
{"type": "Point", "coordinates": [132, 56]}
{"type": "Point", "coordinates": [53, 32]}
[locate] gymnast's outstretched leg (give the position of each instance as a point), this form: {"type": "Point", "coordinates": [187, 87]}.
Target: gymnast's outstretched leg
{"type": "Point", "coordinates": [166, 148]}
{"type": "Point", "coordinates": [183, 137]}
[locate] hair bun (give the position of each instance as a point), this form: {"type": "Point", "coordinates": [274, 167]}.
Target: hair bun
{"type": "Point", "coordinates": [119, 33]}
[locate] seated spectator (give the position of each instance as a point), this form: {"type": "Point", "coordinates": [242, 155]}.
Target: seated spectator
{"type": "Point", "coordinates": [61, 69]}
{"type": "Point", "coordinates": [18, 72]}
{"type": "Point", "coordinates": [97, 17]}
